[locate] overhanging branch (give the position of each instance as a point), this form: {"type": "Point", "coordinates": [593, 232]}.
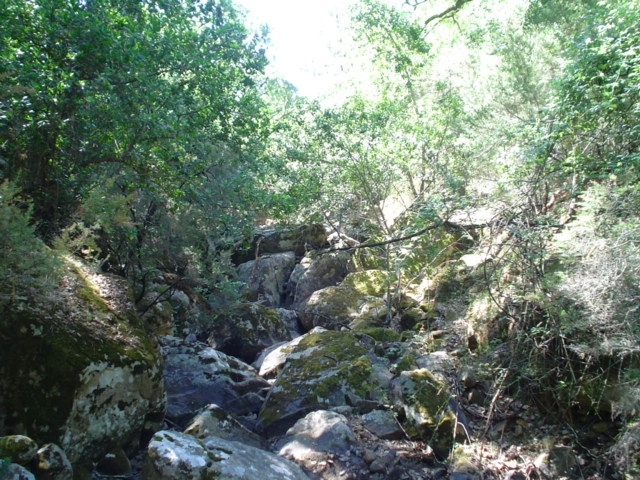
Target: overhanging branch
{"type": "Point", "coordinates": [448, 12]}
{"type": "Point", "coordinates": [437, 224]}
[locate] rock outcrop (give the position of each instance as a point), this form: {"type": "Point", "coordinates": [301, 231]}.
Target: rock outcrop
{"type": "Point", "coordinates": [77, 367]}
{"type": "Point", "coordinates": [197, 375]}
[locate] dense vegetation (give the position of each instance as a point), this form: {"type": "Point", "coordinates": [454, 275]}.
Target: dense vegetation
{"type": "Point", "coordinates": [144, 137]}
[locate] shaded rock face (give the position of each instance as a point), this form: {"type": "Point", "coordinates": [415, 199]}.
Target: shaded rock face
{"type": "Point", "coordinates": [246, 329]}
{"type": "Point", "coordinates": [317, 271]}
{"type": "Point", "coordinates": [297, 239]}
{"type": "Point", "coordinates": [340, 306]}
{"type": "Point", "coordinates": [79, 371]}
{"type": "Point", "coordinates": [426, 402]}
{"type": "Point", "coordinates": [267, 278]}
{"type": "Point", "coordinates": [197, 375]}
{"type": "Point", "coordinates": [179, 456]}
{"type": "Point", "coordinates": [324, 370]}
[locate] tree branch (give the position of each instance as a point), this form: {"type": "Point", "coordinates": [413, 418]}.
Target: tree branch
{"type": "Point", "coordinates": [437, 224]}
{"type": "Point", "coordinates": [438, 16]}
{"type": "Point", "coordinates": [446, 13]}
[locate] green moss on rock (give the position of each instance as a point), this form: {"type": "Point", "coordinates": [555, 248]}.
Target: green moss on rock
{"type": "Point", "coordinates": [53, 347]}
{"type": "Point", "coordinates": [325, 369]}
{"type": "Point", "coordinates": [336, 306]}
{"type": "Point", "coordinates": [426, 404]}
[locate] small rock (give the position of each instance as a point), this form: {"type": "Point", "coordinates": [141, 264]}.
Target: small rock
{"type": "Point", "coordinates": [53, 463]}
{"type": "Point", "coordinates": [383, 424]}
{"type": "Point", "coordinates": [115, 463]}
{"type": "Point", "coordinates": [18, 448]}
{"type": "Point", "coordinates": [215, 421]}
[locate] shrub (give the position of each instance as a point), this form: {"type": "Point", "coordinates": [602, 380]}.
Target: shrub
{"type": "Point", "coordinates": [26, 264]}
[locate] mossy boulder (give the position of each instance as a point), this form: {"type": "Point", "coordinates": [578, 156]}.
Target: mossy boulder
{"type": "Point", "coordinates": [18, 448]}
{"type": "Point", "coordinates": [376, 332]}
{"type": "Point", "coordinates": [77, 367]}
{"type": "Point", "coordinates": [245, 329]}
{"type": "Point", "coordinates": [484, 321]}
{"type": "Point", "coordinates": [425, 400]}
{"type": "Point", "coordinates": [326, 369]}
{"type": "Point", "coordinates": [317, 271]}
{"type": "Point", "coordinates": [340, 306]}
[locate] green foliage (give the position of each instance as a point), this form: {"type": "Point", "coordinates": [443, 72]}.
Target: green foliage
{"type": "Point", "coordinates": [26, 265]}
{"type": "Point", "coordinates": [160, 96]}
{"type": "Point", "coordinates": [597, 105]}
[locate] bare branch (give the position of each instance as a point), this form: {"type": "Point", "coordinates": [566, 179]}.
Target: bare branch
{"type": "Point", "coordinates": [436, 224]}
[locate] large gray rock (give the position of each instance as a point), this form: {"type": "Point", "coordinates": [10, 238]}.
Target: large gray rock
{"type": "Point", "coordinates": [77, 367]}
{"type": "Point", "coordinates": [341, 306]}
{"type": "Point", "coordinates": [313, 437]}
{"type": "Point", "coordinates": [197, 375]}
{"type": "Point", "coordinates": [179, 456]}
{"type": "Point", "coordinates": [317, 271]}
{"type": "Point", "coordinates": [270, 362]}
{"type": "Point", "coordinates": [326, 369]}
{"type": "Point", "coordinates": [17, 472]}
{"type": "Point", "coordinates": [383, 424]}
{"type": "Point", "coordinates": [267, 278]}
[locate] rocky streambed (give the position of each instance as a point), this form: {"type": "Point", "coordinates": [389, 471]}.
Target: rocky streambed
{"type": "Point", "coordinates": [319, 372]}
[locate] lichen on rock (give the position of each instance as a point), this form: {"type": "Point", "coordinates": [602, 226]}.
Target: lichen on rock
{"type": "Point", "coordinates": [325, 369]}
{"type": "Point", "coordinates": [77, 369]}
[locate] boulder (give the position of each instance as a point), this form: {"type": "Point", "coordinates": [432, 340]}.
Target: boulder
{"type": "Point", "coordinates": [270, 362]}
{"type": "Point", "coordinates": [313, 437]}
{"type": "Point", "coordinates": [267, 277]}
{"type": "Point", "coordinates": [77, 367]}
{"type": "Point", "coordinates": [326, 369]}
{"type": "Point", "coordinates": [317, 271]}
{"type": "Point", "coordinates": [197, 375]}
{"type": "Point", "coordinates": [427, 405]}
{"type": "Point", "coordinates": [53, 463]}
{"type": "Point", "coordinates": [245, 329]}
{"type": "Point", "coordinates": [115, 463]}
{"type": "Point", "coordinates": [18, 448]}
{"type": "Point", "coordinates": [340, 306]}
{"type": "Point", "coordinates": [213, 421]}
{"type": "Point", "coordinates": [298, 240]}
{"type": "Point", "coordinates": [179, 456]}
{"type": "Point", "coordinates": [383, 424]}
{"type": "Point", "coordinates": [17, 472]}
